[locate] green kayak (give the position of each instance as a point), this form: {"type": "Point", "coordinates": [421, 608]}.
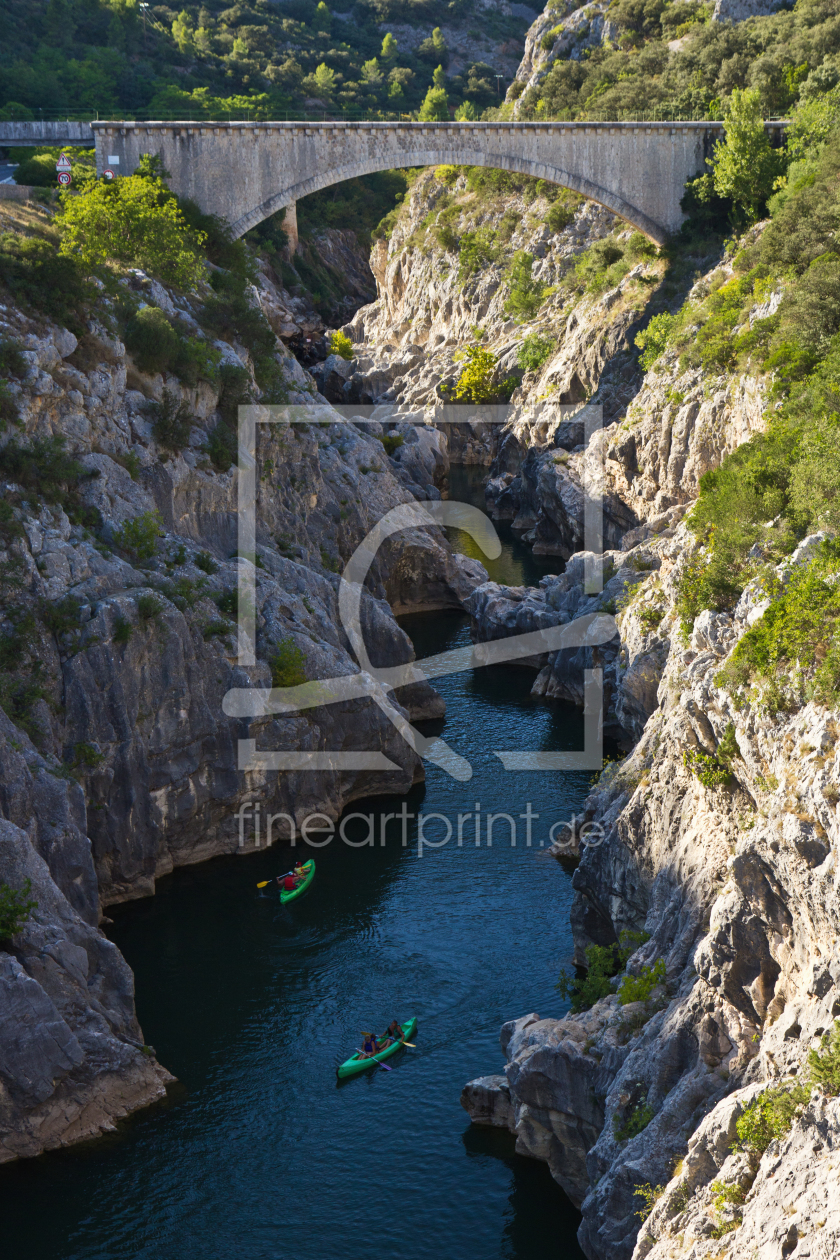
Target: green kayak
{"type": "Point", "coordinates": [309, 867]}
{"type": "Point", "coordinates": [354, 1065]}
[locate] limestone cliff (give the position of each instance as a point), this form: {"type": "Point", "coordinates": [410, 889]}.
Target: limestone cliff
{"type": "Point", "coordinates": [712, 844]}
{"type": "Point", "coordinates": [119, 566]}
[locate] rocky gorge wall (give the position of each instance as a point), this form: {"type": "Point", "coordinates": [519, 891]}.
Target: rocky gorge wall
{"type": "Point", "coordinates": [119, 642]}
{"type": "Point", "coordinates": [730, 880]}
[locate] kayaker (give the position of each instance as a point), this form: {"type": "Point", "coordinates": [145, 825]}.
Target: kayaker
{"type": "Point", "coordinates": [393, 1032]}
{"type": "Point", "coordinates": [371, 1045]}
{"type": "Point", "coordinates": [289, 881]}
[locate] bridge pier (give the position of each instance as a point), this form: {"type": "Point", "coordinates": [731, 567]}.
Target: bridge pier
{"type": "Point", "coordinates": [290, 227]}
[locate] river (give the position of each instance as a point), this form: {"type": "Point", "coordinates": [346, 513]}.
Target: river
{"type": "Point", "coordinates": [259, 1153]}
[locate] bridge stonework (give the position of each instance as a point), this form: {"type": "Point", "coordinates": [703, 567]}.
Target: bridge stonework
{"type": "Point", "coordinates": [247, 171]}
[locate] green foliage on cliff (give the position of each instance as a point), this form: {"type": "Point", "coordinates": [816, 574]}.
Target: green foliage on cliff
{"type": "Point", "coordinates": [639, 988]}
{"type": "Point", "coordinates": [793, 652]}
{"type": "Point", "coordinates": [479, 380]}
{"type": "Point", "coordinates": [16, 907]}
{"type": "Point", "coordinates": [526, 294]}
{"type": "Point", "coordinates": [785, 57]}
{"type": "Point", "coordinates": [603, 963]}
{"type": "Point", "coordinates": [785, 482]}
{"type": "Point", "coordinates": [634, 1123]}
{"type": "Point", "coordinates": [534, 351]}
{"type": "Point", "coordinates": [136, 221]}
{"type": "Point", "coordinates": [139, 536]}
{"type": "Point", "coordinates": [287, 665]}
{"type": "Point", "coordinates": [653, 340]}
{"type": "Point", "coordinates": [824, 1064]}
{"type": "Point", "coordinates": [745, 166]}
{"type": "Point", "coordinates": [714, 770]}
{"type": "Point", "coordinates": [770, 1116]}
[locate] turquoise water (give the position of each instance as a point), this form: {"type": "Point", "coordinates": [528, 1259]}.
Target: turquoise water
{"type": "Point", "coordinates": [259, 1153]}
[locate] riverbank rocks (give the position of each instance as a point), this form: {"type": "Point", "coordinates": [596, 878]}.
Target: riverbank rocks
{"type": "Point", "coordinates": [487, 1101]}
{"type": "Point", "coordinates": [72, 1058]}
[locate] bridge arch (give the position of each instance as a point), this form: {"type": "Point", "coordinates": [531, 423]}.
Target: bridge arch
{"type": "Point", "coordinates": [454, 157]}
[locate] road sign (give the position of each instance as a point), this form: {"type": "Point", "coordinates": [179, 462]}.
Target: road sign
{"type": "Point", "coordinates": [108, 173]}
{"type": "Point", "coordinates": [64, 177]}
{"type": "Point", "coordinates": [63, 163]}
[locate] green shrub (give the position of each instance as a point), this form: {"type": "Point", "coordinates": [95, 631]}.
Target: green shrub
{"type": "Point", "coordinates": [446, 238]}
{"type": "Point", "coordinates": [559, 216]}
{"type": "Point", "coordinates": [601, 266]}
{"type": "Point", "coordinates": [653, 339]}
{"type": "Point", "coordinates": [799, 633]}
{"type": "Point", "coordinates": [770, 1116]}
{"type": "Point", "coordinates": [122, 630]}
{"type": "Point", "coordinates": [391, 441]}
{"type": "Point", "coordinates": [46, 473]}
{"type": "Point", "coordinates": [133, 220]}
{"type": "Point", "coordinates": [148, 607]}
{"type": "Point", "coordinates": [651, 616]}
{"type": "Point", "coordinates": [638, 1119]}
{"type": "Point", "coordinates": [711, 772]}
{"type": "Point", "coordinates": [745, 165]}
{"type": "Point", "coordinates": [86, 756]}
{"type": "Point", "coordinates": [477, 250]}
{"type": "Point", "coordinates": [62, 616]}
{"type": "Point", "coordinates": [171, 421]}
{"type": "Point", "coordinates": [603, 962]}
{"type": "Point", "coordinates": [477, 382]}
{"type": "Point", "coordinates": [650, 1194]}
{"type": "Point", "coordinates": [287, 665]}
{"type": "Point", "coordinates": [39, 279]}
{"type": "Point", "coordinates": [139, 537]}
{"type": "Point", "coordinates": [227, 602]}
{"type": "Point", "coordinates": [639, 988]}
{"type": "Point", "coordinates": [526, 294]}
{"type": "Point", "coordinates": [534, 351]}
{"type": "Point", "coordinates": [825, 1066]}
{"type": "Point", "coordinates": [12, 362]}
{"type": "Point", "coordinates": [151, 340]}
{"type": "Point", "coordinates": [16, 908]}
{"type": "Point", "coordinates": [216, 629]}
{"type": "Point", "coordinates": [204, 561]}
{"type": "Point", "coordinates": [341, 344]}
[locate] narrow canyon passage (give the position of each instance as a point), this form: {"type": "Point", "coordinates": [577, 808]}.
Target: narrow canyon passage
{"type": "Point", "coordinates": [252, 1006]}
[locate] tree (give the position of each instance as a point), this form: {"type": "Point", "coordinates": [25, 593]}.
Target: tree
{"type": "Point", "coordinates": [435, 107]}
{"type": "Point", "coordinates": [465, 112]}
{"type": "Point", "coordinates": [135, 221]}
{"type": "Point", "coordinates": [745, 165]}
{"type": "Point", "coordinates": [439, 78]}
{"type": "Point", "coordinates": [322, 18]}
{"type": "Point", "coordinates": [526, 292]}
{"type": "Point", "coordinates": [389, 48]}
{"type": "Point", "coordinates": [371, 74]}
{"type": "Point", "coordinates": [183, 33]}
{"type": "Point", "coordinates": [477, 382]}
{"type": "Point", "coordinates": [324, 81]}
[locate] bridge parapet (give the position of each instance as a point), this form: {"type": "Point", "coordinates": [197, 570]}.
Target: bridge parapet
{"type": "Point", "coordinates": [41, 134]}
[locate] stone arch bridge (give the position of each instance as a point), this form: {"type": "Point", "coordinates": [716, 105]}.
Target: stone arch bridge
{"type": "Point", "coordinates": [247, 171]}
